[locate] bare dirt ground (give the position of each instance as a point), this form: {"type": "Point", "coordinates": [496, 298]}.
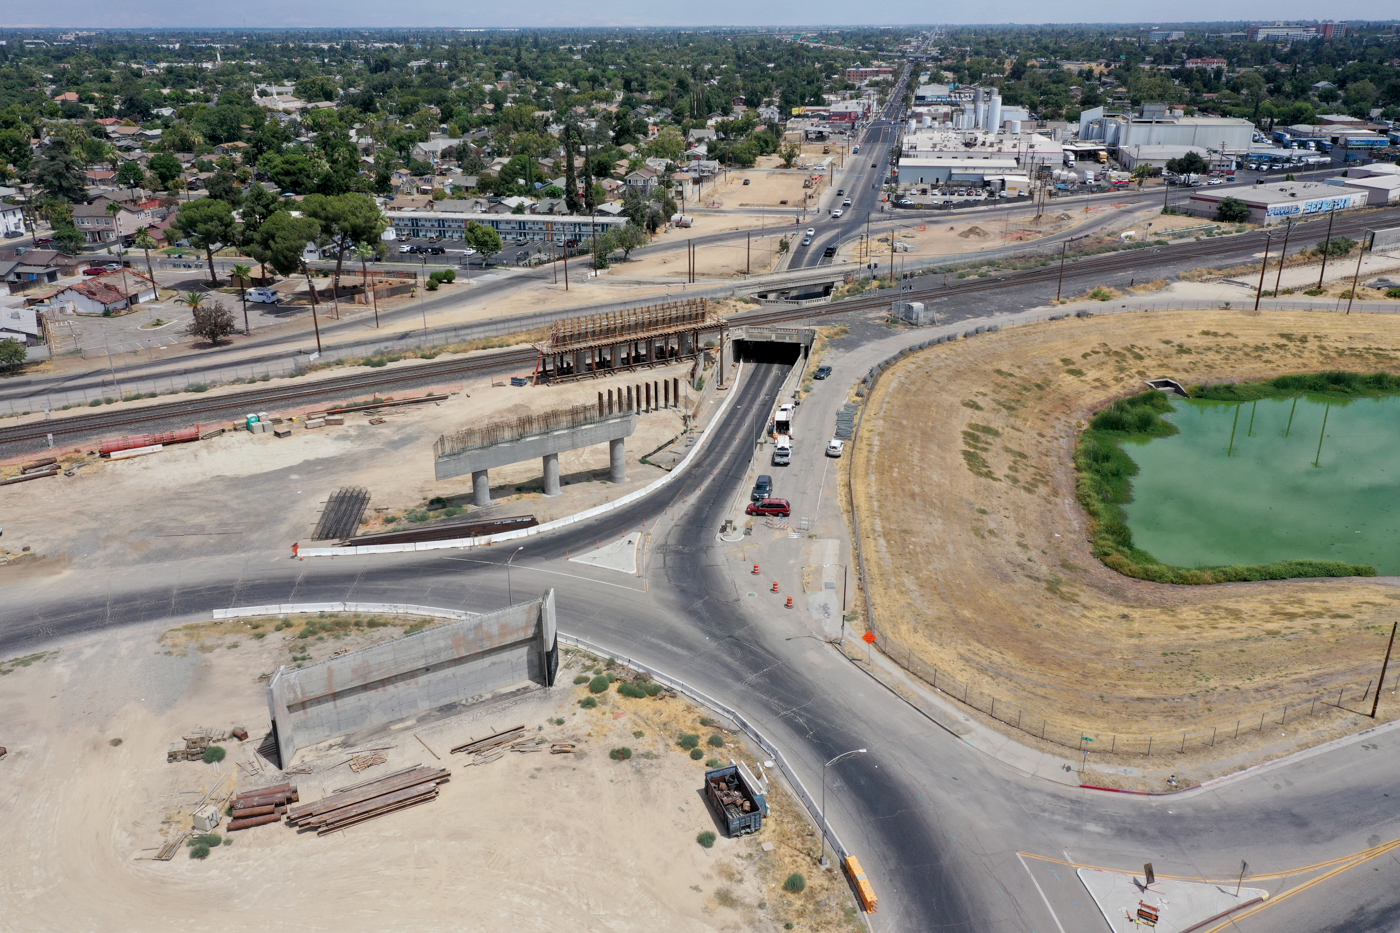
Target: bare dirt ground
{"type": "Point", "coordinates": [526, 842]}
{"type": "Point", "coordinates": [978, 554]}
{"type": "Point", "coordinates": [712, 260]}
{"type": "Point", "coordinates": [280, 483]}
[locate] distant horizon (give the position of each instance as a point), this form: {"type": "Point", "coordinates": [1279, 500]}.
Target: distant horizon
{"type": "Point", "coordinates": [263, 15]}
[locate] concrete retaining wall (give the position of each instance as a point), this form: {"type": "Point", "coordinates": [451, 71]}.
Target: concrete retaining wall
{"type": "Point", "coordinates": [410, 675]}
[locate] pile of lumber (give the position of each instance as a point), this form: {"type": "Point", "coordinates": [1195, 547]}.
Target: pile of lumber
{"type": "Point", "coordinates": [262, 805]}
{"type": "Point", "coordinates": [357, 803]}
{"type": "Point", "coordinates": [482, 748]}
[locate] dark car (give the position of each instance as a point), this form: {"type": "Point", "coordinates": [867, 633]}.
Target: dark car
{"type": "Point", "coordinates": [43, 241]}
{"type": "Point", "coordinates": [762, 489]}
{"type": "Point", "coordinates": [840, 192]}
{"type": "Point", "coordinates": [435, 250]}
{"type": "Point", "coordinates": [769, 507]}
{"type": "Point", "coordinates": [822, 372]}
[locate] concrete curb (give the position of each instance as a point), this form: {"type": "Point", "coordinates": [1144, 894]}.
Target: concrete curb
{"type": "Point", "coordinates": [282, 609]}
{"type": "Point", "coordinates": [537, 529]}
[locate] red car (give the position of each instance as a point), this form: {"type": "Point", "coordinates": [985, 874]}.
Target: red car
{"type": "Point", "coordinates": [94, 270]}
{"type": "Point", "coordinates": [769, 507]}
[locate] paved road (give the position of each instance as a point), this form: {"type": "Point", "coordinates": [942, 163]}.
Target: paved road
{"type": "Point", "coordinates": [938, 825]}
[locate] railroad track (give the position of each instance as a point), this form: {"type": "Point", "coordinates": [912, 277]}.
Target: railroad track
{"type": "Point", "coordinates": [1216, 250]}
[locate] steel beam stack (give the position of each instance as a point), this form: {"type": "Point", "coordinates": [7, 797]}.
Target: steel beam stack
{"type": "Point", "coordinates": [360, 802]}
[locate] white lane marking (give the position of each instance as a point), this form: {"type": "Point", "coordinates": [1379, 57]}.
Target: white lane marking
{"type": "Point", "coordinates": [1042, 893]}
{"type": "Point", "coordinates": [557, 573]}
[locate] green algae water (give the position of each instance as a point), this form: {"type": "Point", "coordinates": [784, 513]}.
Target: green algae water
{"type": "Point", "coordinates": [1272, 480]}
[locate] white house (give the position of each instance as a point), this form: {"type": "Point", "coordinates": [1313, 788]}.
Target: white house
{"type": "Point", "coordinates": [11, 220]}
{"type": "Point", "coordinates": [111, 291]}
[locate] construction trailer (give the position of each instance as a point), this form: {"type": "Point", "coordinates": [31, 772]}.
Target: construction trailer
{"type": "Point", "coordinates": [740, 800]}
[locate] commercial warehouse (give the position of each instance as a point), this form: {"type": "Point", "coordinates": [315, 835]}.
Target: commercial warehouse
{"type": "Point", "coordinates": [1271, 204]}
{"type": "Point", "coordinates": [452, 225]}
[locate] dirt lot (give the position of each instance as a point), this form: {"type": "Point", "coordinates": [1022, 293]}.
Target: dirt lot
{"type": "Point", "coordinates": [716, 259]}
{"type": "Point", "coordinates": [526, 840]}
{"type": "Point", "coordinates": [980, 564]}
{"type": "Point", "coordinates": [280, 483]}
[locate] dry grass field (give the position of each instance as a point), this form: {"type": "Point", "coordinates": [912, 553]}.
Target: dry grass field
{"type": "Point", "coordinates": [978, 550]}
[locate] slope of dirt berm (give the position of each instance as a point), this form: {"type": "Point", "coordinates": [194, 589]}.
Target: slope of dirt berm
{"type": "Point", "coordinates": [978, 549]}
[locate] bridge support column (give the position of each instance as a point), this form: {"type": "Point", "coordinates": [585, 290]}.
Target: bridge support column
{"type": "Point", "coordinates": [481, 489]}
{"type": "Point", "coordinates": [617, 457]}
{"type": "Point", "coordinates": [551, 474]}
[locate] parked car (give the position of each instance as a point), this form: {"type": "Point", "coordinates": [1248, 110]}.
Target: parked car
{"type": "Point", "coordinates": [822, 372]}
{"type": "Point", "coordinates": [769, 507]}
{"type": "Point", "coordinates": [113, 267]}
{"type": "Point", "coordinates": [267, 296]}
{"type": "Point", "coordinates": [762, 489]}
{"type": "Point", "coordinates": [905, 202]}
{"type": "Point", "coordinates": [1216, 181]}
{"type": "Point", "coordinates": [43, 241]}
{"type": "Point", "coordinates": [746, 181]}
{"type": "Point", "coordinates": [835, 448]}
{"type": "Point", "coordinates": [435, 250]}
{"type": "Point", "coordinates": [94, 270]}
{"type": "Point", "coordinates": [407, 248]}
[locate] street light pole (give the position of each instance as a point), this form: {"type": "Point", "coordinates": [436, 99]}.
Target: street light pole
{"type": "Point", "coordinates": [825, 822]}
{"type": "Point", "coordinates": [510, 597]}
{"type": "Point", "coordinates": [422, 287]}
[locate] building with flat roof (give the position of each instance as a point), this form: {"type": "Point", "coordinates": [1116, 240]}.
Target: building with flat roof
{"type": "Point", "coordinates": [452, 225]}
{"type": "Point", "coordinates": [949, 168]}
{"type": "Point", "coordinates": [1380, 189]}
{"type": "Point", "coordinates": [1271, 204]}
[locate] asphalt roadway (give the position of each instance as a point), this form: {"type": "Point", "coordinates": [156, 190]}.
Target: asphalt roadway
{"type": "Point", "coordinates": [939, 827]}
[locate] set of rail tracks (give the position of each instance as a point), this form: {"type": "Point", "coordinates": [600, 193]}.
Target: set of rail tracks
{"type": "Point", "coordinates": [1215, 249]}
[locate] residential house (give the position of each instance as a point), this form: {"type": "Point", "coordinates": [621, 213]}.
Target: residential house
{"type": "Point", "coordinates": [700, 135]}
{"type": "Point", "coordinates": [98, 226]}
{"type": "Point", "coordinates": [17, 275]}
{"type": "Point", "coordinates": [111, 291]}
{"type": "Point", "coordinates": [45, 259]}
{"type": "Point", "coordinates": [11, 220]}
{"type": "Point", "coordinates": [67, 97]}
{"type": "Point", "coordinates": [432, 150]}
{"type": "Point", "coordinates": [100, 176]}
{"type": "Point", "coordinates": [21, 324]}
{"type": "Point", "coordinates": [644, 180]}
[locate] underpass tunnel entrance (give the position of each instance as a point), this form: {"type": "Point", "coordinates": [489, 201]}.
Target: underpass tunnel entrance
{"type": "Point", "coordinates": [764, 351]}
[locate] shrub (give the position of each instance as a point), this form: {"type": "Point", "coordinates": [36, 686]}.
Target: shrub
{"type": "Point", "coordinates": [1392, 293]}
{"type": "Point", "coordinates": [631, 690]}
{"type": "Point", "coordinates": [1101, 294]}
{"type": "Point", "coordinates": [707, 721]}
{"type": "Point", "coordinates": [795, 883]}
{"type": "Point", "coordinates": [199, 852]}
{"type": "Point", "coordinates": [652, 689]}
{"type": "Point", "coordinates": [716, 741]}
{"type": "Point", "coordinates": [713, 763]}
{"type": "Point", "coordinates": [432, 285]}
{"type": "Point", "coordinates": [637, 733]}
{"type": "Point", "coordinates": [207, 839]}
{"type": "Point", "coordinates": [214, 753]}
{"type": "Point", "coordinates": [449, 275]}
{"type": "Point", "coordinates": [706, 839]}
{"type": "Point", "coordinates": [588, 702]}
{"type": "Point", "coordinates": [696, 754]}
{"type": "Point", "coordinates": [581, 679]}
{"type": "Point", "coordinates": [620, 754]}
{"type": "Point", "coordinates": [689, 740]}
{"type": "Point", "coordinates": [228, 840]}
{"type": "Point", "coordinates": [598, 684]}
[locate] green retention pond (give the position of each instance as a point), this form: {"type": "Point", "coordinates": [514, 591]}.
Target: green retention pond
{"type": "Point", "coordinates": [1271, 480]}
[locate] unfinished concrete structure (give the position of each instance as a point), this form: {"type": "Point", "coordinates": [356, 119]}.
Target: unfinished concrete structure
{"type": "Point", "coordinates": [451, 663]}
{"type": "Point", "coordinates": [653, 335]}
{"type": "Point", "coordinates": [477, 450]}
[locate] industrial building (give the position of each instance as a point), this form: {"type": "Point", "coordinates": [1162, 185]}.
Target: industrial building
{"type": "Point", "coordinates": [1271, 204]}
{"type": "Point", "coordinates": [1380, 189]}
{"type": "Point", "coordinates": [1157, 125]}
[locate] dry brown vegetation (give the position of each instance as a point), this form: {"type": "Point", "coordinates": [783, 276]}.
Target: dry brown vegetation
{"type": "Point", "coordinates": [980, 564]}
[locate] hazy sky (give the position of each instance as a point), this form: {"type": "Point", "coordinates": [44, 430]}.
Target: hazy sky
{"type": "Point", "coordinates": [469, 13]}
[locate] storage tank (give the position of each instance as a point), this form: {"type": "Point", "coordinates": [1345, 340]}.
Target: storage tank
{"type": "Point", "coordinates": [979, 109]}
{"type": "Point", "coordinates": [927, 121]}
{"type": "Point", "coordinates": [993, 111]}
{"type": "Point", "coordinates": [1014, 127]}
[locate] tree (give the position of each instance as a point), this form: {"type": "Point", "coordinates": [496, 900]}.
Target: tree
{"type": "Point", "coordinates": [212, 322]}
{"type": "Point", "coordinates": [145, 242]}
{"type": "Point", "coordinates": [165, 167]}
{"type": "Point", "coordinates": [209, 225]}
{"type": "Point", "coordinates": [629, 238]}
{"type": "Point", "coordinates": [224, 186]}
{"type": "Point", "coordinates": [59, 174]}
{"type": "Point", "coordinates": [281, 240]}
{"type": "Point", "coordinates": [1232, 211]}
{"type": "Point", "coordinates": [483, 239]}
{"type": "Point", "coordinates": [347, 219]}
{"type": "Point", "coordinates": [571, 198]}
{"type": "Point", "coordinates": [12, 354]}
{"type": "Point", "coordinates": [130, 175]}
{"type": "Point", "coordinates": [1190, 164]}
{"type": "Point", "coordinates": [789, 152]}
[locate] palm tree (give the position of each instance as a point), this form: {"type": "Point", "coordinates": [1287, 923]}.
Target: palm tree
{"type": "Point", "coordinates": [192, 300]}
{"type": "Point", "coordinates": [145, 242]}
{"type": "Point", "coordinates": [243, 274]}
{"type": "Point", "coordinates": [364, 251]}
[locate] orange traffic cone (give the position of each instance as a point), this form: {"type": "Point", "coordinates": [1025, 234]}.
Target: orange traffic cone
{"type": "Point", "coordinates": [789, 602]}
{"type": "Point", "coordinates": [775, 586]}
{"type": "Point", "coordinates": [755, 569]}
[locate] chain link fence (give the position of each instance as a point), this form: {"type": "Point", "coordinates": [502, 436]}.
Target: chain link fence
{"type": "Point", "coordinates": [1061, 730]}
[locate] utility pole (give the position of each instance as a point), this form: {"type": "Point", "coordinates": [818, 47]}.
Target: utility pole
{"type": "Point", "coordinates": [1268, 238]}
{"type": "Point", "coordinates": [1283, 257]}
{"type": "Point", "coordinates": [314, 322]}
{"type": "Point", "coordinates": [1060, 284]}
{"type": "Point", "coordinates": [1360, 253]}
{"type": "Point", "coordinates": [1327, 245]}
{"type": "Point", "coordinates": [748, 251]}
{"type": "Point", "coordinates": [1380, 683]}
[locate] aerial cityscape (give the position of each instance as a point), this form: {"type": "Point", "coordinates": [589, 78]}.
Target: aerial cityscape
{"type": "Point", "coordinates": [948, 470]}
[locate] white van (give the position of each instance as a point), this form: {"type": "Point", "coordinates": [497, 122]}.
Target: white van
{"type": "Point", "coordinates": [267, 296]}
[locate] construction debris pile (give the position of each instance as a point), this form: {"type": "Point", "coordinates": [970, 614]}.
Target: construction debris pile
{"type": "Point", "coordinates": [262, 805]}
{"type": "Point", "coordinates": [354, 804]}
